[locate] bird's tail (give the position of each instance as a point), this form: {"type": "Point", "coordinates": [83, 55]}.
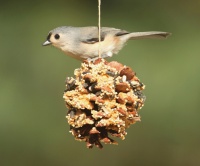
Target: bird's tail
{"type": "Point", "coordinates": [148, 35]}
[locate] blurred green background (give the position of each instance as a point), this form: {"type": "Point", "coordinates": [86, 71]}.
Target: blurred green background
{"type": "Point", "coordinates": [33, 128]}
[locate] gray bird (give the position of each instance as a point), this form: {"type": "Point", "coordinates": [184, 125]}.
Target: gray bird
{"type": "Point", "coordinates": [83, 42]}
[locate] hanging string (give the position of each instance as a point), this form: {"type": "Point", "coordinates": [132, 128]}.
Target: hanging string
{"type": "Point", "coordinates": [99, 26]}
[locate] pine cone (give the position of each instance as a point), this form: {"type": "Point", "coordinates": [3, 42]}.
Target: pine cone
{"type": "Point", "coordinates": [102, 99]}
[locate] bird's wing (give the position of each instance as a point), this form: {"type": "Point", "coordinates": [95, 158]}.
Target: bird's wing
{"type": "Point", "coordinates": [91, 34]}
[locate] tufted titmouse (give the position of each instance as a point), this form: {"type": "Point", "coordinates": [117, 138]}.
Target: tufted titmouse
{"type": "Point", "coordinates": [83, 42]}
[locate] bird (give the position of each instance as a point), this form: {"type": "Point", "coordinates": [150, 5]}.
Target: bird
{"type": "Point", "coordinates": [83, 43]}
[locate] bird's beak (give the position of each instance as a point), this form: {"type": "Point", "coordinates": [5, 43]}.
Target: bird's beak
{"type": "Point", "coordinates": [46, 43]}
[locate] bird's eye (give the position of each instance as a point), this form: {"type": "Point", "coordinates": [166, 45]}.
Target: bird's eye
{"type": "Point", "coordinates": [57, 36]}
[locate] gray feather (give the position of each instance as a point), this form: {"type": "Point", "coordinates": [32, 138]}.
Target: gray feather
{"type": "Point", "coordinates": [150, 35]}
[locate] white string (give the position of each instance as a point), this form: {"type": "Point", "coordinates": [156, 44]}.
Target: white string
{"type": "Point", "coordinates": [99, 26]}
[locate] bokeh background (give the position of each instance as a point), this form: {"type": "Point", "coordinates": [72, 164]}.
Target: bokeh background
{"type": "Point", "coordinates": [33, 128]}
